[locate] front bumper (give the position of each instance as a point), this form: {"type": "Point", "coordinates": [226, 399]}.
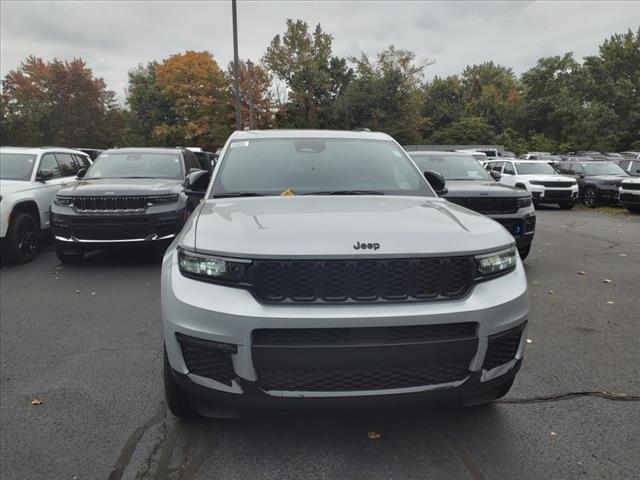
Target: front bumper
{"type": "Point", "coordinates": [100, 230]}
{"type": "Point", "coordinates": [608, 194]}
{"type": "Point", "coordinates": [542, 194]}
{"type": "Point", "coordinates": [522, 227]}
{"type": "Point", "coordinates": [213, 330]}
{"type": "Point", "coordinates": [630, 198]}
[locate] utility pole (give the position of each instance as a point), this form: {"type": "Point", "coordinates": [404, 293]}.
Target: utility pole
{"type": "Point", "coordinates": [236, 67]}
{"type": "Point", "coordinates": [249, 73]}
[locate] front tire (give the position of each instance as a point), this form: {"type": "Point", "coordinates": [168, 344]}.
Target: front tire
{"type": "Point", "coordinates": [524, 252]}
{"type": "Point", "coordinates": [176, 397]}
{"type": "Point", "coordinates": [69, 254]}
{"type": "Point", "coordinates": [22, 240]}
{"type": "Point", "coordinates": [566, 205]}
{"type": "Point", "coordinates": [590, 197]}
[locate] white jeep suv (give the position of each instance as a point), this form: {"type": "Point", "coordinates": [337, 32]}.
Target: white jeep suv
{"type": "Point", "coordinates": [545, 184]}
{"type": "Point", "coordinates": [322, 269]}
{"type": "Point", "coordinates": [29, 179]}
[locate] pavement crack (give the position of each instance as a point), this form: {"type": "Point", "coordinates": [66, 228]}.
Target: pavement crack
{"type": "Point", "coordinates": [617, 397]}
{"type": "Point", "coordinates": [132, 442]}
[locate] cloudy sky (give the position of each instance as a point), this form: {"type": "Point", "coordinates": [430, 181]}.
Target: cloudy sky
{"type": "Point", "coordinates": [114, 36]}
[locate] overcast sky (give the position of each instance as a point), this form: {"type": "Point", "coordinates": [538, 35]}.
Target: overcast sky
{"type": "Point", "coordinates": [114, 36]}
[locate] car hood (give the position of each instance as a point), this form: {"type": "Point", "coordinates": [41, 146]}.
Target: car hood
{"type": "Point", "coordinates": [547, 178]}
{"type": "Point", "coordinates": [122, 186]}
{"type": "Point", "coordinates": [473, 188]}
{"type": "Point", "coordinates": [607, 178]}
{"type": "Point", "coordinates": [331, 226]}
{"type": "Point", "coordinates": [13, 186]}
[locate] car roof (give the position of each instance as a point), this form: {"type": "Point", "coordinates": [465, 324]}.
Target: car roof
{"type": "Point", "coordinates": [37, 150]}
{"type": "Point", "coordinates": [144, 150]}
{"type": "Point", "coordinates": [440, 152]}
{"type": "Point", "coordinates": [294, 133]}
{"type": "Point", "coordinates": [518, 160]}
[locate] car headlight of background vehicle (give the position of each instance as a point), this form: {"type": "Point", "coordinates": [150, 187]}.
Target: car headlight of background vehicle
{"type": "Point", "coordinates": [161, 200]}
{"type": "Point", "coordinates": [496, 263]}
{"type": "Point", "coordinates": [63, 201]}
{"type": "Point", "coordinates": [211, 268]}
{"type": "Point", "coordinates": [524, 201]}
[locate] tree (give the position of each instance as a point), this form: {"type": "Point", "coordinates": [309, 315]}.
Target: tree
{"type": "Point", "coordinates": [470, 130]}
{"type": "Point", "coordinates": [386, 95]}
{"type": "Point", "coordinates": [58, 103]}
{"type": "Point", "coordinates": [443, 102]}
{"type": "Point", "coordinates": [305, 63]}
{"type": "Point", "coordinates": [196, 89]}
{"type": "Point", "coordinates": [261, 96]}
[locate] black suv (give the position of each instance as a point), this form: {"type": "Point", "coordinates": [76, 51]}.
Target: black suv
{"type": "Point", "coordinates": [598, 181]}
{"type": "Point", "coordinates": [128, 196]}
{"type": "Point", "coordinates": [471, 186]}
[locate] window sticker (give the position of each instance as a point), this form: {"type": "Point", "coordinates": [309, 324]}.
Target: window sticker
{"type": "Point", "coordinates": [239, 144]}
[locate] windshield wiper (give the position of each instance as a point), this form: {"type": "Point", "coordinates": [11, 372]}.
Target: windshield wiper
{"type": "Point", "coordinates": [132, 177]}
{"type": "Point", "coordinates": [239, 194]}
{"type": "Point", "coordinates": [346, 192]}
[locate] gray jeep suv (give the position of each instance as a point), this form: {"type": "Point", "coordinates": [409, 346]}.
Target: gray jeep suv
{"type": "Point", "coordinates": [321, 269]}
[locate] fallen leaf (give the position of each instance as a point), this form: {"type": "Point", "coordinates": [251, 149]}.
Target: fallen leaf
{"type": "Point", "coordinates": [582, 272]}
{"type": "Point", "coordinates": [552, 434]}
{"type": "Point", "coordinates": [77, 291]}
{"type": "Point", "coordinates": [606, 280]}
{"type": "Point", "coordinates": [610, 302]}
{"type": "Point", "coordinates": [93, 293]}
{"type": "Point", "coordinates": [374, 435]}
{"type": "Point", "coordinates": [622, 254]}
{"type": "Point", "coordinates": [36, 401]}
{"type": "Point", "coordinates": [529, 340]}
{"type": "Point", "coordinates": [550, 292]}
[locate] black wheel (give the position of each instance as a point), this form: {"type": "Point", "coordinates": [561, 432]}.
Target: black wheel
{"type": "Point", "coordinates": [524, 251]}
{"type": "Point", "coordinates": [566, 205]}
{"type": "Point", "coordinates": [177, 399]}
{"type": "Point", "coordinates": [590, 197]}
{"type": "Point", "coordinates": [69, 254]}
{"type": "Point", "coordinates": [22, 240]}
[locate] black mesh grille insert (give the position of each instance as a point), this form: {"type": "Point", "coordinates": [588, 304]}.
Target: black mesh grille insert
{"type": "Point", "coordinates": [208, 359]}
{"type": "Point", "coordinates": [362, 280]}
{"type": "Point", "coordinates": [487, 205]}
{"type": "Point", "coordinates": [631, 186]}
{"type": "Point", "coordinates": [350, 336]}
{"type": "Point", "coordinates": [361, 379]}
{"type": "Point", "coordinates": [502, 348]}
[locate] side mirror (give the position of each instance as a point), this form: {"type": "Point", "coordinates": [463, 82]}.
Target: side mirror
{"type": "Point", "coordinates": [581, 176]}
{"type": "Point", "coordinates": [81, 173]}
{"type": "Point", "coordinates": [495, 175]}
{"type": "Point", "coordinates": [437, 182]}
{"type": "Point", "coordinates": [44, 175]}
{"type": "Point", "coordinates": [196, 182]}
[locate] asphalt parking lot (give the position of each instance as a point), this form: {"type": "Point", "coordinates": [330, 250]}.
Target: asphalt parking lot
{"type": "Point", "coordinates": [86, 341]}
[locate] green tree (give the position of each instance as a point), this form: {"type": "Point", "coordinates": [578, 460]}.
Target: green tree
{"type": "Point", "coordinates": [443, 101]}
{"type": "Point", "coordinates": [261, 96]}
{"type": "Point", "coordinates": [314, 77]}
{"type": "Point", "coordinates": [58, 103]}
{"type": "Point", "coordinates": [469, 130]}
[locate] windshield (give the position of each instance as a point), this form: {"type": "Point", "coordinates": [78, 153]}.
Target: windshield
{"type": "Point", "coordinates": [16, 166]}
{"type": "Point", "coordinates": [634, 167]}
{"type": "Point", "coordinates": [298, 166]}
{"type": "Point", "coordinates": [534, 168]}
{"type": "Point", "coordinates": [602, 168]}
{"type": "Point", "coordinates": [548, 158]}
{"type": "Point", "coordinates": [452, 167]}
{"type": "Point", "coordinates": [136, 165]}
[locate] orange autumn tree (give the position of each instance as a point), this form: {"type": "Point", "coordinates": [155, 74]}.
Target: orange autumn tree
{"type": "Point", "coordinates": [261, 96]}
{"type": "Point", "coordinates": [195, 87]}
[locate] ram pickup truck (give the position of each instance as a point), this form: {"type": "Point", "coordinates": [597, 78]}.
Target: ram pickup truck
{"type": "Point", "coordinates": [321, 269]}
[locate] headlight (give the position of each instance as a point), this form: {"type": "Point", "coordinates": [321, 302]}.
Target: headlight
{"type": "Point", "coordinates": [492, 264]}
{"type": "Point", "coordinates": [63, 201]}
{"type": "Point", "coordinates": [524, 201]}
{"type": "Point", "coordinates": [211, 268]}
{"type": "Point", "coordinates": [161, 200]}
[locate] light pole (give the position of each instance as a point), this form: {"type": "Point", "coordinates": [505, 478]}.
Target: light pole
{"type": "Point", "coordinates": [249, 72]}
{"type": "Point", "coordinates": [236, 70]}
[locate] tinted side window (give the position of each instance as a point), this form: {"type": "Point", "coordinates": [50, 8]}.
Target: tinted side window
{"type": "Point", "coordinates": [68, 166]}
{"type": "Point", "coordinates": [564, 168]}
{"type": "Point", "coordinates": [497, 167]}
{"type": "Point", "coordinates": [508, 168]}
{"type": "Point", "coordinates": [190, 161]}
{"type": "Point", "coordinates": [48, 162]}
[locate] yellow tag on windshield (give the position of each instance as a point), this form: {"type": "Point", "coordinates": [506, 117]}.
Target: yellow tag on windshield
{"type": "Point", "coordinates": [288, 193]}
